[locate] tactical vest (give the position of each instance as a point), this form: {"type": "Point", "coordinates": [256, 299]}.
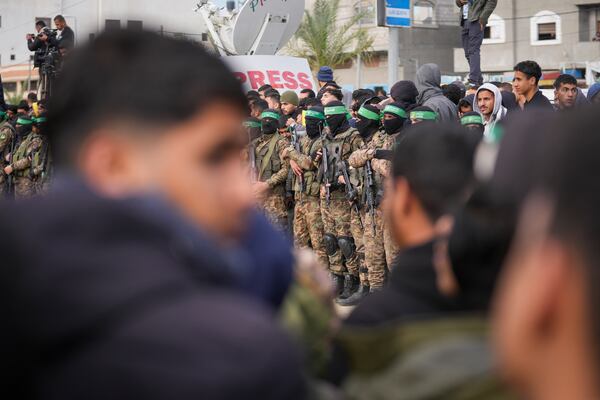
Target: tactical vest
{"type": "Point", "coordinates": [311, 185]}
{"type": "Point", "coordinates": [274, 164]}
{"type": "Point", "coordinates": [339, 148]}
{"type": "Point", "coordinates": [23, 151]}
{"type": "Point", "coordinates": [6, 129]}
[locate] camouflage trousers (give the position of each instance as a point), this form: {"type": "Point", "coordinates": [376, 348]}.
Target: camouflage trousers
{"type": "Point", "coordinates": [336, 222]}
{"type": "Point", "coordinates": [391, 248]}
{"type": "Point", "coordinates": [24, 187]}
{"type": "Point", "coordinates": [380, 249]}
{"type": "Point", "coordinates": [358, 235]}
{"type": "Point", "coordinates": [308, 227]}
{"type": "Point", "coordinates": [276, 211]}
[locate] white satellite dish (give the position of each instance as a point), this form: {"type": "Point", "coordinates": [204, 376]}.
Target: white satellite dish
{"type": "Point", "coordinates": [260, 27]}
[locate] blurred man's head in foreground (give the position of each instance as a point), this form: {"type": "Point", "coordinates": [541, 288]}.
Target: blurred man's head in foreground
{"type": "Point", "coordinates": [547, 312]}
{"type": "Point", "coordinates": [431, 173]}
{"type": "Point", "coordinates": [135, 114]}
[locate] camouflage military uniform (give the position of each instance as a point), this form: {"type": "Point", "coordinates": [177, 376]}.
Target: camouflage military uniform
{"type": "Point", "coordinates": [22, 165]}
{"type": "Point", "coordinates": [7, 136]}
{"type": "Point", "coordinates": [373, 224]}
{"type": "Point", "coordinates": [336, 215]}
{"type": "Point", "coordinates": [273, 169]}
{"type": "Point", "coordinates": [41, 168]}
{"type": "Point", "coordinates": [308, 224]}
{"type": "Point", "coordinates": [384, 168]}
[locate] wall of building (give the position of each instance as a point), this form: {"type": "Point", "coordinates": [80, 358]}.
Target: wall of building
{"type": "Point", "coordinates": [574, 48]}
{"type": "Point", "coordinates": [88, 16]}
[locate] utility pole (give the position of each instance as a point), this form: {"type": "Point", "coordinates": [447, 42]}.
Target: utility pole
{"type": "Point", "coordinates": [393, 55]}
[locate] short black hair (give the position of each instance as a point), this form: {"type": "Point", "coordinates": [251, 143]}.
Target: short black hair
{"type": "Point", "coordinates": [564, 79]}
{"type": "Point", "coordinates": [507, 86]}
{"type": "Point", "coordinates": [118, 76]}
{"type": "Point", "coordinates": [311, 93]}
{"type": "Point", "coordinates": [531, 69]}
{"type": "Point", "coordinates": [567, 176]}
{"type": "Point", "coordinates": [453, 93]}
{"type": "Point", "coordinates": [307, 102]}
{"type": "Point", "coordinates": [260, 105]}
{"type": "Point", "coordinates": [252, 93]}
{"type": "Point", "coordinates": [60, 18]}
{"type": "Point", "coordinates": [464, 103]}
{"type": "Point", "coordinates": [273, 94]}
{"type": "Point", "coordinates": [40, 23]}
{"type": "Point", "coordinates": [437, 162]}
{"type": "Point", "coordinates": [32, 96]}
{"type": "Point", "coordinates": [264, 88]}
{"type": "Point", "coordinates": [337, 93]}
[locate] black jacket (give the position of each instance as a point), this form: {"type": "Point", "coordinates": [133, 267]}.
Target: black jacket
{"type": "Point", "coordinates": [108, 299]}
{"type": "Point", "coordinates": [411, 293]}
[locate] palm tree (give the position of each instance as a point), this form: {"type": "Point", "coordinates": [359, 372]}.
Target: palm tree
{"type": "Point", "coordinates": [322, 41]}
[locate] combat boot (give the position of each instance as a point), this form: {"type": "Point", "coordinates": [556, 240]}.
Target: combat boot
{"type": "Point", "coordinates": [361, 293]}
{"type": "Point", "coordinates": [338, 284]}
{"type": "Point", "coordinates": [351, 283]}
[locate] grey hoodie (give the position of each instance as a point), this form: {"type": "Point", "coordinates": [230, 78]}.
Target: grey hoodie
{"type": "Point", "coordinates": [431, 94]}
{"type": "Point", "coordinates": [499, 110]}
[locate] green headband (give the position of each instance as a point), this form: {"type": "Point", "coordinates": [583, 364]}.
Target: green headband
{"type": "Point", "coordinates": [269, 114]}
{"type": "Point", "coordinates": [2, 113]}
{"type": "Point", "coordinates": [471, 119]}
{"type": "Point", "coordinates": [314, 114]}
{"type": "Point", "coordinates": [252, 124]}
{"type": "Point", "coordinates": [390, 109]}
{"type": "Point", "coordinates": [336, 110]}
{"type": "Point", "coordinates": [40, 120]}
{"type": "Point", "coordinates": [368, 114]}
{"type": "Point", "coordinates": [23, 121]}
{"type": "Point", "coordinates": [423, 115]}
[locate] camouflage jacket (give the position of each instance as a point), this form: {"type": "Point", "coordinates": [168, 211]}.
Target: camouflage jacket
{"type": "Point", "coordinates": [384, 167]}
{"type": "Point", "coordinates": [439, 358]}
{"type": "Point", "coordinates": [23, 158]}
{"type": "Point", "coordinates": [305, 158]}
{"type": "Point", "coordinates": [275, 169]}
{"type": "Point", "coordinates": [339, 148]}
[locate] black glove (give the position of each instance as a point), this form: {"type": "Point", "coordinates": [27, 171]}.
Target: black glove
{"type": "Point", "coordinates": [381, 154]}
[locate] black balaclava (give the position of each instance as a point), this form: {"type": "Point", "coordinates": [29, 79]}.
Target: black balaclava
{"type": "Point", "coordinates": [40, 123]}
{"type": "Point", "coordinates": [253, 127]}
{"type": "Point", "coordinates": [395, 125]}
{"type": "Point", "coordinates": [315, 121]}
{"type": "Point", "coordinates": [369, 120]}
{"type": "Point", "coordinates": [23, 125]}
{"type": "Point", "coordinates": [336, 116]}
{"type": "Point", "coordinates": [269, 121]}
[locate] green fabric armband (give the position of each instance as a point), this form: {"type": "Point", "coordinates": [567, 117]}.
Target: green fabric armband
{"type": "Point", "coordinates": [368, 114]}
{"type": "Point", "coordinates": [423, 115]}
{"type": "Point", "coordinates": [390, 109]}
{"type": "Point", "coordinates": [269, 114]}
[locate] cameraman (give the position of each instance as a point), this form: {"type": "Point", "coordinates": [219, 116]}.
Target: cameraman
{"type": "Point", "coordinates": [39, 43]}
{"type": "Point", "coordinates": [65, 37]}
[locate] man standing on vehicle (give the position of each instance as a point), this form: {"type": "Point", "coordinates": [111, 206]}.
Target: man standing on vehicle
{"type": "Point", "coordinates": [473, 18]}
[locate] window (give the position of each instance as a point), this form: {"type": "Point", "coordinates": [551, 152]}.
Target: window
{"type": "Point", "coordinates": [495, 30]}
{"type": "Point", "coordinates": [13, 57]}
{"type": "Point", "coordinates": [112, 24]}
{"type": "Point", "coordinates": [135, 25]}
{"type": "Point", "coordinates": [365, 7]}
{"type": "Point", "coordinates": [423, 13]}
{"type": "Point", "coordinates": [546, 29]}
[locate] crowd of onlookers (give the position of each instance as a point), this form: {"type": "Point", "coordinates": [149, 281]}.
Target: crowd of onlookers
{"type": "Point", "coordinates": [149, 271]}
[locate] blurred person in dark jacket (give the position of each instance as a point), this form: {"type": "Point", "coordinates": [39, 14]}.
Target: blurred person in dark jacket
{"type": "Point", "coordinates": [546, 317]}
{"type": "Point", "coordinates": [130, 292]}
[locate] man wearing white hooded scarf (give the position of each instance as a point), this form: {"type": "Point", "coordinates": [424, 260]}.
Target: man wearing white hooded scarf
{"type": "Point", "coordinates": [488, 103]}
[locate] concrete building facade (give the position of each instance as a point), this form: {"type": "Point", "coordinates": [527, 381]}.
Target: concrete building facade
{"type": "Point", "coordinates": [558, 34]}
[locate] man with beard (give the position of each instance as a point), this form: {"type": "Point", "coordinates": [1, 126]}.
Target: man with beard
{"type": "Point", "coordinates": [28, 143]}
{"type": "Point", "coordinates": [272, 168]}
{"type": "Point", "coordinates": [488, 103]}
{"type": "Point", "coordinates": [308, 224]}
{"type": "Point", "coordinates": [340, 142]}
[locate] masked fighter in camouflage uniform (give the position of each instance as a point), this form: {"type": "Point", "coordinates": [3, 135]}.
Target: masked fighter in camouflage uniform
{"type": "Point", "coordinates": [7, 136]}
{"type": "Point", "coordinates": [28, 144]}
{"type": "Point", "coordinates": [272, 169]}
{"type": "Point", "coordinates": [308, 224]}
{"type": "Point", "coordinates": [369, 124]}
{"type": "Point", "coordinates": [340, 141]}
